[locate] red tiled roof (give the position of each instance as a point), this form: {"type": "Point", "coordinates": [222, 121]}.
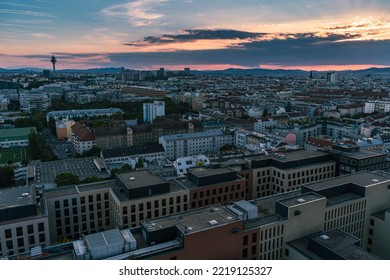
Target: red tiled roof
{"type": "Point", "coordinates": [82, 133]}
{"type": "Point", "coordinates": [319, 142]}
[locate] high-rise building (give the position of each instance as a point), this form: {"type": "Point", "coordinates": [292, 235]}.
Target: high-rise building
{"type": "Point", "coordinates": [153, 110]}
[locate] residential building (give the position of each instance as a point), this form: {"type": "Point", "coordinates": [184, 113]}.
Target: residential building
{"type": "Point", "coordinates": [83, 139]}
{"type": "Point", "coordinates": [149, 153]}
{"type": "Point", "coordinates": [183, 163]}
{"type": "Point", "coordinates": [189, 144]}
{"type": "Point", "coordinates": [64, 129]}
{"type": "Point", "coordinates": [112, 137]}
{"type": "Point", "coordinates": [34, 101]}
{"type": "Point", "coordinates": [70, 114]}
{"type": "Point", "coordinates": [153, 110]}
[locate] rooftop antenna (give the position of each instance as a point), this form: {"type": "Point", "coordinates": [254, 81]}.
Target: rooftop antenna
{"type": "Point", "coordinates": [53, 60]}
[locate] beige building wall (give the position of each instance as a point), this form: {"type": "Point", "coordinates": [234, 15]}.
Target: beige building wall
{"type": "Point", "coordinates": [20, 236]}
{"type": "Point", "coordinates": [131, 212]}
{"type": "Point", "coordinates": [271, 180]}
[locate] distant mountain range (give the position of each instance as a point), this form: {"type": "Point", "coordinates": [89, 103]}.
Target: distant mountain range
{"type": "Point", "coordinates": [230, 71]}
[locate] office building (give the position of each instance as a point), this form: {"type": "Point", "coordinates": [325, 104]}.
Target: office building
{"type": "Point", "coordinates": [207, 186]}
{"type": "Point", "coordinates": [279, 173]}
{"type": "Point", "coordinates": [23, 221]}
{"type": "Point", "coordinates": [351, 158]}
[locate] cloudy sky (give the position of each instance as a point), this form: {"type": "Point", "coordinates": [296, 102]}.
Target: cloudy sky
{"type": "Point", "coordinates": [201, 34]}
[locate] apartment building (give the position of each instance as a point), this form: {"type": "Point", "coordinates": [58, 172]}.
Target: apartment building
{"type": "Point", "coordinates": [279, 173]}
{"type": "Point", "coordinates": [189, 144]}
{"type": "Point", "coordinates": [83, 139]}
{"type": "Point", "coordinates": [112, 137]}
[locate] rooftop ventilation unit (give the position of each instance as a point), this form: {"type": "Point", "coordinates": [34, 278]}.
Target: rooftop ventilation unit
{"type": "Point", "coordinates": [375, 180]}
{"type": "Point", "coordinates": [132, 178]}
{"type": "Point", "coordinates": [213, 222]}
{"type": "Point", "coordinates": [324, 237]}
{"type": "Point", "coordinates": [301, 200]}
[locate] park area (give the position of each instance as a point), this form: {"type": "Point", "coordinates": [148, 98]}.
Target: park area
{"type": "Point", "coordinates": [12, 154]}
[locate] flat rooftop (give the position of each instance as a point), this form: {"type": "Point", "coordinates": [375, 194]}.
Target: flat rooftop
{"type": "Point", "coordinates": [361, 154]}
{"type": "Point", "coordinates": [343, 244]}
{"type": "Point", "coordinates": [202, 172]}
{"type": "Point", "coordinates": [73, 189]}
{"type": "Point", "coordinates": [300, 199]}
{"type": "Point", "coordinates": [140, 179]}
{"type": "Point", "coordinates": [266, 209]}
{"type": "Point", "coordinates": [173, 188]}
{"type": "Point", "coordinates": [194, 220]}
{"type": "Point", "coordinates": [289, 156]}
{"type": "Point", "coordinates": [186, 136]}
{"type": "Point", "coordinates": [45, 172]}
{"type": "Point", "coordinates": [363, 179]}
{"type": "Point", "coordinates": [11, 197]}
{"type": "Point", "coordinates": [381, 214]}
{"type": "Point", "coordinates": [186, 183]}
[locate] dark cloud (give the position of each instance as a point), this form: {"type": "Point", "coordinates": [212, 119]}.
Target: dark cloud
{"type": "Point", "coordinates": [287, 50]}
{"type": "Point", "coordinates": [190, 35]}
{"type": "Point", "coordinates": [303, 49]}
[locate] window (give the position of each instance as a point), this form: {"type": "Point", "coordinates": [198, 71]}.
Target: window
{"type": "Point", "coordinates": [30, 229]}
{"type": "Point", "coordinates": [245, 240]}
{"type": "Point", "coordinates": [65, 202]}
{"type": "Point", "coordinates": [74, 201]}
{"type": "Point", "coordinates": [98, 197]}
{"type": "Point", "coordinates": [41, 227]}
{"type": "Point", "coordinates": [9, 244]}
{"type": "Point", "coordinates": [57, 204]}
{"type": "Point", "coordinates": [42, 238]}
{"type": "Point", "coordinates": [90, 198]}
{"type": "Point", "coordinates": [254, 250]}
{"type": "Point", "coordinates": [19, 231]}
{"type": "Point", "coordinates": [254, 237]}
{"type": "Point", "coordinates": [245, 253]}
{"type": "Point", "coordinates": [31, 240]}
{"type": "Point", "coordinates": [286, 252]}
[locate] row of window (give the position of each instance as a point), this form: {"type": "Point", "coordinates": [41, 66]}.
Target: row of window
{"type": "Point", "coordinates": [20, 232]}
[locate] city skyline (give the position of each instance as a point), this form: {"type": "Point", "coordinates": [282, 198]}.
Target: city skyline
{"type": "Point", "coordinates": [149, 34]}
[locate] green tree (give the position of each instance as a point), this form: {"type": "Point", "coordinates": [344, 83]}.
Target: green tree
{"type": "Point", "coordinates": [36, 145]}
{"type": "Point", "coordinates": [52, 126]}
{"type": "Point", "coordinates": [63, 179]}
{"type": "Point", "coordinates": [92, 179]}
{"type": "Point", "coordinates": [140, 163]}
{"type": "Point", "coordinates": [6, 176]}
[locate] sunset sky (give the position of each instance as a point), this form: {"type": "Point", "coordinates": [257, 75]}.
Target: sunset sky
{"type": "Point", "coordinates": [201, 34]}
